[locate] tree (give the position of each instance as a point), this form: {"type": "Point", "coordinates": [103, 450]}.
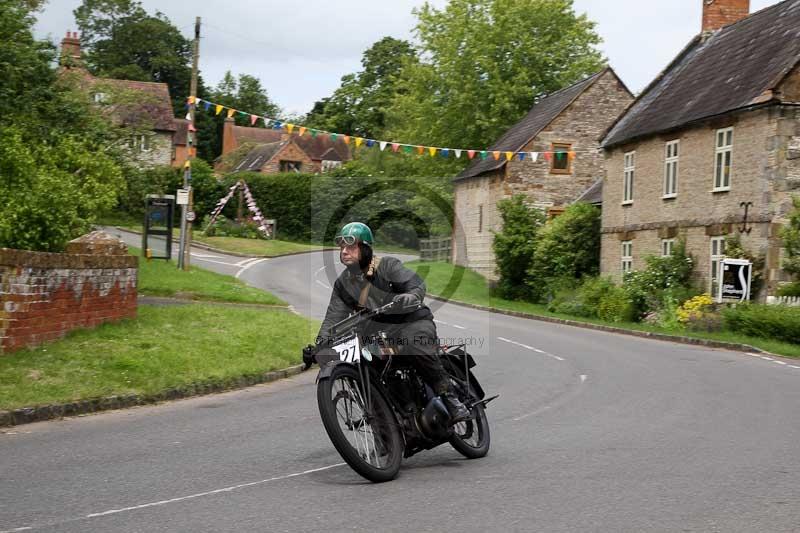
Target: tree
{"type": "Point", "coordinates": [121, 40]}
{"type": "Point", "coordinates": [358, 106]}
{"type": "Point", "coordinates": [791, 240]}
{"type": "Point", "coordinates": [515, 245]}
{"type": "Point", "coordinates": [485, 62]}
{"type": "Point", "coordinates": [58, 159]}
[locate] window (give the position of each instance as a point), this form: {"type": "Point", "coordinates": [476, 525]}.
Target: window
{"type": "Point", "coordinates": [480, 218]}
{"type": "Point", "coordinates": [140, 143]}
{"type": "Point", "coordinates": [723, 161]}
{"type": "Point", "coordinates": [290, 166]}
{"type": "Point", "coordinates": [330, 165]}
{"type": "Point", "coordinates": [627, 256]}
{"type": "Point", "coordinates": [100, 98]}
{"type": "Point", "coordinates": [629, 171]}
{"type": "Point", "coordinates": [560, 162]}
{"type": "Point", "coordinates": [671, 169]}
{"type": "Point", "coordinates": [667, 246]}
{"type": "Point", "coordinates": [717, 255]}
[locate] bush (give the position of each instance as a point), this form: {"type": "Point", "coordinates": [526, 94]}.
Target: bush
{"type": "Point", "coordinates": [646, 288]}
{"type": "Point", "coordinates": [792, 289]}
{"type": "Point", "coordinates": [566, 247]}
{"type": "Point", "coordinates": [514, 246]}
{"type": "Point", "coordinates": [223, 227]}
{"type": "Point", "coordinates": [791, 240]}
{"type": "Point", "coordinates": [616, 307]}
{"type": "Point", "coordinates": [778, 322]}
{"type": "Point", "coordinates": [594, 298]}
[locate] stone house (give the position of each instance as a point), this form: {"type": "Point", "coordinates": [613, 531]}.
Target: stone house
{"type": "Point", "coordinates": [711, 148]}
{"type": "Point", "coordinates": [570, 120]}
{"type": "Point", "coordinates": [143, 107]}
{"type": "Point", "coordinates": [273, 151]}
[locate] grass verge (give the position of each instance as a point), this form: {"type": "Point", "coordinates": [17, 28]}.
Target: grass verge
{"type": "Point", "coordinates": [162, 278]}
{"type": "Point", "coordinates": [472, 289]}
{"type": "Point", "coordinates": [165, 347]}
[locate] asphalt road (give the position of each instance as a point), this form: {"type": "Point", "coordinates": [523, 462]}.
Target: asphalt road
{"type": "Point", "coordinates": [593, 432]}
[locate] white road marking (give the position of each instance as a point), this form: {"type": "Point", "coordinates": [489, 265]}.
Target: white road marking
{"type": "Point", "coordinates": [217, 262]}
{"type": "Point", "coordinates": [779, 362]}
{"type": "Point", "coordinates": [196, 254]}
{"type": "Point", "coordinates": [441, 322]}
{"type": "Point", "coordinates": [530, 348]}
{"type": "Point", "coordinates": [765, 358]}
{"type": "Point", "coordinates": [18, 529]}
{"type": "Point", "coordinates": [246, 261]}
{"type": "Point", "coordinates": [458, 327]}
{"type": "Point", "coordinates": [254, 263]}
{"type": "Point", "coordinates": [217, 491]}
{"type": "Point", "coordinates": [323, 284]}
{"type": "Point", "coordinates": [584, 377]}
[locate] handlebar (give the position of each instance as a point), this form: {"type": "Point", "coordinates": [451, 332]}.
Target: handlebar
{"type": "Point", "coordinates": [359, 317]}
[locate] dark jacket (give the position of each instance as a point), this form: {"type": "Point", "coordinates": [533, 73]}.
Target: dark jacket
{"type": "Point", "coordinates": [390, 278]}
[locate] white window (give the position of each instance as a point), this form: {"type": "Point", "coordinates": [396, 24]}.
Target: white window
{"type": "Point", "coordinates": [629, 171]}
{"type": "Point", "coordinates": [100, 98]}
{"type": "Point", "coordinates": [717, 255]}
{"type": "Point", "coordinates": [667, 247]}
{"type": "Point", "coordinates": [723, 159]}
{"type": "Point", "coordinates": [140, 143]}
{"type": "Point", "coordinates": [671, 169]}
{"type": "Point", "coordinates": [627, 256]}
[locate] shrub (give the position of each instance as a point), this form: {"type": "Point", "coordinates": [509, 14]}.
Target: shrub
{"type": "Point", "coordinates": [616, 307]}
{"type": "Point", "coordinates": [699, 314]}
{"type": "Point", "coordinates": [514, 246]}
{"type": "Point", "coordinates": [595, 297]}
{"type": "Point", "coordinates": [778, 322]}
{"type": "Point", "coordinates": [791, 240]}
{"type": "Point", "coordinates": [646, 287]}
{"type": "Point", "coordinates": [792, 289]}
{"type": "Point", "coordinates": [566, 247]}
{"type": "Point", "coordinates": [223, 227]}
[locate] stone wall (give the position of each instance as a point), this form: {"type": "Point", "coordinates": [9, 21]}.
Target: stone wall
{"type": "Point", "coordinates": [475, 202]}
{"type": "Point", "coordinates": [764, 171]}
{"type": "Point", "coordinates": [45, 295]}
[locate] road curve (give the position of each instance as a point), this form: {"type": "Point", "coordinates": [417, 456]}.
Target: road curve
{"type": "Point", "coordinates": [593, 431]}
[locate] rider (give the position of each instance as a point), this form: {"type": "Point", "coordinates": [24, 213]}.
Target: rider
{"type": "Point", "coordinates": [370, 282]}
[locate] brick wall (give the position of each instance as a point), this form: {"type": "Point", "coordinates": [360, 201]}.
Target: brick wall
{"type": "Point", "coordinates": [291, 152]}
{"type": "Point", "coordinates": [719, 13]}
{"type": "Point", "coordinates": [764, 171]}
{"type": "Point", "coordinates": [45, 295]}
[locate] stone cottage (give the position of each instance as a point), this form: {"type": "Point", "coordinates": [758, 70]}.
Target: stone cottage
{"type": "Point", "coordinates": [570, 120]}
{"type": "Point", "coordinates": [711, 148]}
{"type": "Point", "coordinates": [144, 107]}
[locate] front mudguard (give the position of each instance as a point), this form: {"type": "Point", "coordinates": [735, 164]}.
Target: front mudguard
{"type": "Point", "coordinates": [326, 368]}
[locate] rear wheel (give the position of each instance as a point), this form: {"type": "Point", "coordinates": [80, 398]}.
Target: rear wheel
{"type": "Point", "coordinates": [471, 437]}
{"type": "Point", "coordinates": [370, 442]}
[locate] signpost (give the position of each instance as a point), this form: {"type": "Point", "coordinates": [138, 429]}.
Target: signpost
{"type": "Point", "coordinates": [735, 277]}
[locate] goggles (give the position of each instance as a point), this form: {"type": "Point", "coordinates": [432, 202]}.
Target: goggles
{"type": "Point", "coordinates": [345, 240]}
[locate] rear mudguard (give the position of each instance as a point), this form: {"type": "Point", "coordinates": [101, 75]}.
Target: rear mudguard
{"type": "Point", "coordinates": [459, 363]}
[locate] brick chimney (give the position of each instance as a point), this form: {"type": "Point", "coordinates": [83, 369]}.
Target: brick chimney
{"type": "Point", "coordinates": [229, 142]}
{"type": "Point", "coordinates": [719, 13]}
{"type": "Point", "coordinates": [71, 50]}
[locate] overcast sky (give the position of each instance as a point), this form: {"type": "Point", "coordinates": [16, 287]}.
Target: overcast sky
{"type": "Point", "coordinates": [300, 50]}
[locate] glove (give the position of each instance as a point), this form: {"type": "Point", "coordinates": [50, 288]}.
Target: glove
{"type": "Point", "coordinates": [406, 301]}
{"type": "Point", "coordinates": [308, 355]}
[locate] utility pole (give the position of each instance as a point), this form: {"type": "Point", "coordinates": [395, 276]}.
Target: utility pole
{"type": "Point", "coordinates": [186, 225]}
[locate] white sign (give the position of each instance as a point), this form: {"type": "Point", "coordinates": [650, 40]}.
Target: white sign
{"type": "Point", "coordinates": [734, 280]}
{"type": "Point", "coordinates": [349, 351]}
{"type": "Point", "coordinates": [190, 216]}
{"type": "Point", "coordinates": [183, 197]}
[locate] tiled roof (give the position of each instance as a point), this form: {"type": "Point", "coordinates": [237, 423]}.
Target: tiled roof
{"type": "Point", "coordinates": [315, 147]}
{"type": "Point", "coordinates": [736, 67]}
{"type": "Point", "coordinates": [259, 156]}
{"type": "Point", "coordinates": [155, 106]}
{"type": "Point", "coordinates": [542, 114]}
{"type": "Point", "coordinates": [593, 195]}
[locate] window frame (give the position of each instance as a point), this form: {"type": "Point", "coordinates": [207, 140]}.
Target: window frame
{"type": "Point", "coordinates": [667, 247]}
{"type": "Point", "coordinates": [283, 165]}
{"type": "Point", "coordinates": [715, 260]}
{"type": "Point", "coordinates": [671, 162]}
{"type": "Point", "coordinates": [626, 261]}
{"type": "Point", "coordinates": [722, 171]}
{"type": "Point", "coordinates": [628, 176]}
{"type": "Point", "coordinates": [480, 218]}
{"type": "Point", "coordinates": [566, 148]}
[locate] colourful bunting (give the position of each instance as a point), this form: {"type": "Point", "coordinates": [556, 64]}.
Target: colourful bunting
{"type": "Point", "coordinates": [458, 154]}
{"type": "Point", "coordinates": [359, 140]}
{"type": "Point", "coordinates": [383, 145]}
{"type": "Point", "coordinates": [346, 139]}
{"type": "Point", "coordinates": [395, 147]}
{"type": "Point", "coordinates": [420, 150]}
{"type": "Point", "coordinates": [484, 154]}
{"type": "Point", "coordinates": [509, 156]}
{"type": "Point", "coordinates": [370, 143]}
{"type": "Point", "coordinates": [534, 156]}
{"type": "Point", "coordinates": [522, 156]}
{"type": "Point", "coordinates": [207, 105]}
{"type": "Point", "coordinates": [231, 112]}
{"type": "Point", "coordinates": [407, 149]}
{"type": "Point", "coordinates": [314, 133]}
{"type": "Point", "coordinates": [445, 152]}
{"type": "Point", "coordinates": [432, 151]}
{"type": "Point", "coordinates": [302, 131]}
{"type": "Point", "coordinates": [471, 154]}
{"type": "Point", "coordinates": [218, 109]}
{"type": "Point", "coordinates": [253, 119]}
{"type": "Point", "coordinates": [289, 128]}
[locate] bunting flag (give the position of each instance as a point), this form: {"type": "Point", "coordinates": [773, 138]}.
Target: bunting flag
{"type": "Point", "coordinates": [251, 206]}
{"type": "Point", "coordinates": [194, 103]}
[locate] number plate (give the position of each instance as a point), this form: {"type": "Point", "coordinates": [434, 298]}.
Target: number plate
{"type": "Point", "coordinates": [349, 350]}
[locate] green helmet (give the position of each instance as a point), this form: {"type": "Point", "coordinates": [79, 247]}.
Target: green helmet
{"type": "Point", "coordinates": [352, 232]}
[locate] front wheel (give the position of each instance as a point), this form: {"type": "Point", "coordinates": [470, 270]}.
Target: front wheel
{"type": "Point", "coordinates": [370, 442]}
{"type": "Point", "coordinates": [471, 437]}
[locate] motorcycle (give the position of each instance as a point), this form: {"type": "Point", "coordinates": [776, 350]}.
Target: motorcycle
{"type": "Point", "coordinates": [376, 408]}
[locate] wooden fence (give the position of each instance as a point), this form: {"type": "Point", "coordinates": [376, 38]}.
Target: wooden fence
{"type": "Point", "coordinates": [435, 249]}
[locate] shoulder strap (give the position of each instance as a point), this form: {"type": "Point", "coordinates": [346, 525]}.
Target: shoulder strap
{"type": "Point", "coordinates": [373, 268]}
